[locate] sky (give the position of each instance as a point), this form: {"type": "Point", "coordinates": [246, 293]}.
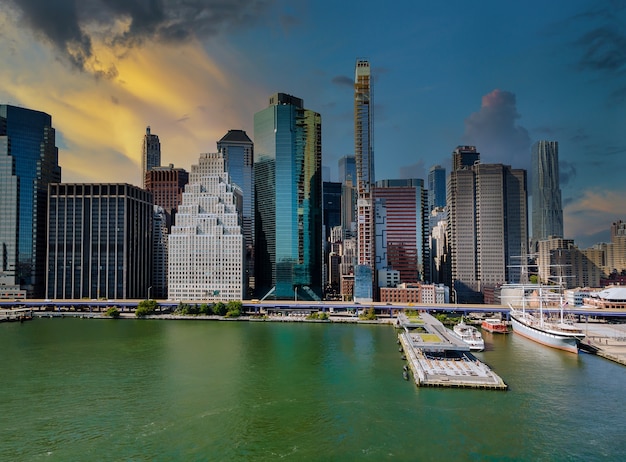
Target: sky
{"type": "Point", "coordinates": [497, 75]}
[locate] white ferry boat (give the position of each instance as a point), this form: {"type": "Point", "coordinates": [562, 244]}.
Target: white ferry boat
{"type": "Point", "coordinates": [470, 335]}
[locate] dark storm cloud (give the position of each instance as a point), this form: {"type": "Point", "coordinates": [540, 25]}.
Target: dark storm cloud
{"type": "Point", "coordinates": [567, 172]}
{"type": "Point", "coordinates": [66, 23]}
{"type": "Point", "coordinates": [494, 132]}
{"type": "Point", "coordinates": [604, 49]}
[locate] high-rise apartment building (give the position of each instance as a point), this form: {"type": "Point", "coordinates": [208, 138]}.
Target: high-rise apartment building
{"type": "Point", "coordinates": [238, 151]}
{"type": "Point", "coordinates": [436, 187]}
{"type": "Point", "coordinates": [364, 155]}
{"type": "Point", "coordinates": [405, 241]}
{"type": "Point", "coordinates": [487, 227]}
{"type": "Point", "coordinates": [288, 196]}
{"type": "Point", "coordinates": [547, 213]}
{"type": "Point", "coordinates": [28, 163]}
{"type": "Point", "coordinates": [206, 245]}
{"type": "Point", "coordinates": [150, 154]}
{"type": "Point", "coordinates": [99, 241]}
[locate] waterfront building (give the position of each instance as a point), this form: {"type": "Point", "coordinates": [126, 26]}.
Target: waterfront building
{"type": "Point", "coordinates": [160, 235]}
{"type": "Point", "coordinates": [616, 249]}
{"type": "Point", "coordinates": [238, 151]}
{"type": "Point", "coordinates": [561, 262]}
{"type": "Point", "coordinates": [487, 227]}
{"type": "Point", "coordinates": [436, 187]}
{"type": "Point", "coordinates": [405, 236]}
{"type": "Point", "coordinates": [364, 156]}
{"type": "Point", "coordinates": [547, 214]}
{"type": "Point", "coordinates": [150, 153]}
{"type": "Point", "coordinates": [347, 169]}
{"type": "Point", "coordinates": [206, 245]}
{"type": "Point", "coordinates": [438, 248]}
{"type": "Point", "coordinates": [99, 241]}
{"type": "Point", "coordinates": [415, 293]}
{"type": "Point", "coordinates": [331, 220]}
{"type": "Point", "coordinates": [288, 198]}
{"type": "Point", "coordinates": [28, 163]}
{"type": "Point", "coordinates": [348, 209]}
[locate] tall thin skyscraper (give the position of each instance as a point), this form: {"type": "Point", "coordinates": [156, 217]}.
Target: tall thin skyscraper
{"type": "Point", "coordinates": [364, 156]}
{"type": "Point", "coordinates": [150, 154]}
{"type": "Point", "coordinates": [28, 163]}
{"type": "Point", "coordinates": [347, 169]}
{"type": "Point", "coordinates": [288, 196]}
{"type": "Point", "coordinates": [238, 151]}
{"type": "Point", "coordinates": [547, 214]}
{"type": "Point", "coordinates": [436, 187]}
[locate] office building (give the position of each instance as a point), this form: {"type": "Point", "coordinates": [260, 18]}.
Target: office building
{"type": "Point", "coordinates": [288, 197]}
{"type": "Point", "coordinates": [364, 156]}
{"type": "Point", "coordinates": [206, 245]}
{"type": "Point", "coordinates": [238, 151]}
{"type": "Point", "coordinates": [436, 187]}
{"type": "Point", "coordinates": [150, 154]}
{"type": "Point", "coordinates": [464, 157]}
{"type": "Point", "coordinates": [405, 240]}
{"type": "Point", "coordinates": [487, 228]}
{"type": "Point", "coordinates": [167, 185]}
{"type": "Point", "coordinates": [28, 163]}
{"type": "Point", "coordinates": [99, 241]}
{"type": "Point", "coordinates": [547, 213]}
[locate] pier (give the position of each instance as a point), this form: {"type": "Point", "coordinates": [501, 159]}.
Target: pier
{"type": "Point", "coordinates": [438, 359]}
{"type": "Point", "coordinates": [18, 315]}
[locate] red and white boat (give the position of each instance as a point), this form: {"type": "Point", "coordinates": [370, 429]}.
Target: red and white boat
{"type": "Point", "coordinates": [495, 325]}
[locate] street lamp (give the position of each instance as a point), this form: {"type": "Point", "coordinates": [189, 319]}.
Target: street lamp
{"type": "Point", "coordinates": [149, 290]}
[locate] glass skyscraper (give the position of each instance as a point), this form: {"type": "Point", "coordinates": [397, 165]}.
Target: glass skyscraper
{"type": "Point", "coordinates": [238, 151]}
{"type": "Point", "coordinates": [436, 187]}
{"type": "Point", "coordinates": [28, 163]}
{"type": "Point", "coordinates": [150, 154]}
{"type": "Point", "coordinates": [288, 199]}
{"type": "Point", "coordinates": [547, 214]}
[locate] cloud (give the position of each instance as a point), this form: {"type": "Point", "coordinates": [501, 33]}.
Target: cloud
{"type": "Point", "coordinates": [343, 81]}
{"type": "Point", "coordinates": [567, 172]}
{"type": "Point", "coordinates": [591, 214]}
{"type": "Point", "coordinates": [73, 26]}
{"type": "Point", "coordinates": [416, 170]}
{"type": "Point", "coordinates": [494, 132]}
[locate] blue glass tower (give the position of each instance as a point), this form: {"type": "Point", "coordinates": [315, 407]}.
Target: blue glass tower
{"type": "Point", "coordinates": [436, 187]}
{"type": "Point", "coordinates": [238, 151]}
{"type": "Point", "coordinates": [28, 163]}
{"type": "Point", "coordinates": [288, 199]}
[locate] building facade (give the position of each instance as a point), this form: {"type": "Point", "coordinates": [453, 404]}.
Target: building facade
{"type": "Point", "coordinates": [99, 241]}
{"type": "Point", "coordinates": [547, 213]}
{"type": "Point", "coordinates": [238, 151]}
{"type": "Point", "coordinates": [288, 197]}
{"type": "Point", "coordinates": [487, 227]}
{"type": "Point", "coordinates": [364, 157]}
{"type": "Point", "coordinates": [150, 154]}
{"type": "Point", "coordinates": [28, 163]}
{"type": "Point", "coordinates": [347, 169]}
{"type": "Point", "coordinates": [167, 185]}
{"type": "Point", "coordinates": [436, 187]}
{"type": "Point", "coordinates": [206, 245]}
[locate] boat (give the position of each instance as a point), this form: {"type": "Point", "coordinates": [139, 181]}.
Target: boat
{"type": "Point", "coordinates": [495, 325]}
{"type": "Point", "coordinates": [470, 335]}
{"type": "Point", "coordinates": [556, 333]}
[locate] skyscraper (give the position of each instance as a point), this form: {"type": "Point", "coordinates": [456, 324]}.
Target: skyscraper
{"type": "Point", "coordinates": [150, 154]}
{"type": "Point", "coordinates": [167, 185]}
{"type": "Point", "coordinates": [487, 227]}
{"type": "Point", "coordinates": [288, 196]}
{"type": "Point", "coordinates": [238, 151]}
{"type": "Point", "coordinates": [206, 245]}
{"type": "Point", "coordinates": [547, 214]}
{"type": "Point", "coordinates": [99, 241]}
{"type": "Point", "coordinates": [347, 169]}
{"type": "Point", "coordinates": [364, 156]}
{"type": "Point", "coordinates": [464, 157]}
{"type": "Point", "coordinates": [28, 163]}
{"type": "Point", "coordinates": [436, 187]}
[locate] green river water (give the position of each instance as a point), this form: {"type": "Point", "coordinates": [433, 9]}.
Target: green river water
{"type": "Point", "coordinates": [144, 390]}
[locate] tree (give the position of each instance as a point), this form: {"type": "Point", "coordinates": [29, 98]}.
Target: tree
{"type": "Point", "coordinates": [112, 312]}
{"type": "Point", "coordinates": [219, 308]}
{"type": "Point", "coordinates": [234, 309]}
{"type": "Point", "coordinates": [145, 308]}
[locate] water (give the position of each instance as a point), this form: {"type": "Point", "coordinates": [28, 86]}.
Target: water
{"type": "Point", "coordinates": [79, 389]}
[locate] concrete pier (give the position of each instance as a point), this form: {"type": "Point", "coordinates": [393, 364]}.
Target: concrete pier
{"type": "Point", "coordinates": [608, 340]}
{"type": "Point", "coordinates": [438, 359]}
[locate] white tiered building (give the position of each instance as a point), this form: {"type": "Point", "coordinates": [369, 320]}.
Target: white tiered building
{"type": "Point", "coordinates": [206, 246]}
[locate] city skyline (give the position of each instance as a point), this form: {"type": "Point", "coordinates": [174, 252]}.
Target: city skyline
{"type": "Point", "coordinates": [492, 75]}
